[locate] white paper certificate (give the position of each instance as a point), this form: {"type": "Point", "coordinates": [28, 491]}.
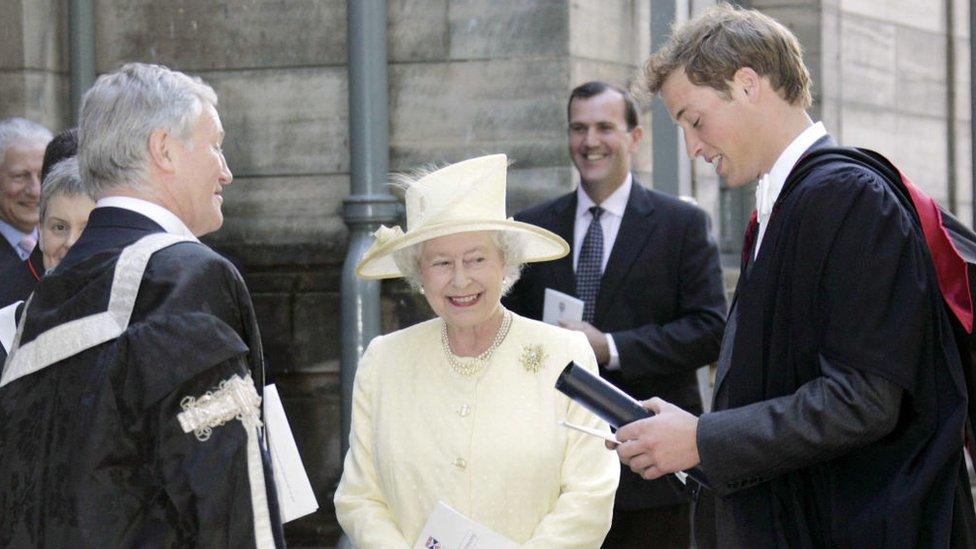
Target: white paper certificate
{"type": "Point", "coordinates": [295, 496]}
{"type": "Point", "coordinates": [559, 306]}
{"type": "Point", "coordinates": [449, 529]}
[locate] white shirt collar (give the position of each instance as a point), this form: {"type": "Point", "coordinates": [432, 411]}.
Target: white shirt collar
{"type": "Point", "coordinates": [771, 184]}
{"type": "Point", "coordinates": [616, 203]}
{"type": "Point", "coordinates": [163, 217]}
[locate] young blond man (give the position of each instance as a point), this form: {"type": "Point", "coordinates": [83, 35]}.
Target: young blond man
{"type": "Point", "coordinates": [839, 401]}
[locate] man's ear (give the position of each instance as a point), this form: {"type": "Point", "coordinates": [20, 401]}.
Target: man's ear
{"type": "Point", "coordinates": [161, 144]}
{"type": "Point", "coordinates": [746, 81]}
{"type": "Point", "coordinates": [636, 135]}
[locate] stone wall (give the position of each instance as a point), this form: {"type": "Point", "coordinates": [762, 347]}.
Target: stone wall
{"type": "Point", "coordinates": [882, 80]}
{"type": "Point", "coordinates": [466, 77]}
{"type": "Point", "coordinates": [34, 60]}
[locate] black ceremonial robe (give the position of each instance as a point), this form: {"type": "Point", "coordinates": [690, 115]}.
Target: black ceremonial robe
{"type": "Point", "coordinates": [843, 282]}
{"type": "Point", "coordinates": [92, 453]}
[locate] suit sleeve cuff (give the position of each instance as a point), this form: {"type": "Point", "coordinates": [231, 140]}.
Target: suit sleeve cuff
{"type": "Point", "coordinates": [713, 439]}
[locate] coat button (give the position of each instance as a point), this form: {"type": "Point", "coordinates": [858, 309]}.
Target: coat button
{"type": "Point", "coordinates": [464, 410]}
{"type": "Point", "coordinates": [461, 464]}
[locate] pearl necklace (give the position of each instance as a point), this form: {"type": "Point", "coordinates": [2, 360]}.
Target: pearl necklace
{"type": "Point", "coordinates": [479, 362]}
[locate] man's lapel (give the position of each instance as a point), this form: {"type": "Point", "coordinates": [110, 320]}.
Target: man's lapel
{"type": "Point", "coordinates": [7, 251]}
{"type": "Point", "coordinates": [563, 223]}
{"type": "Point", "coordinates": [635, 231]}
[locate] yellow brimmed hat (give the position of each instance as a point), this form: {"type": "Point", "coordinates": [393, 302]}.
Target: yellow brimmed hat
{"type": "Point", "coordinates": [463, 197]}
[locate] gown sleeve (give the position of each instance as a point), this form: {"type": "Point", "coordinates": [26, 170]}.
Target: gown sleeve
{"type": "Point", "coordinates": [214, 477]}
{"type": "Point", "coordinates": [208, 481]}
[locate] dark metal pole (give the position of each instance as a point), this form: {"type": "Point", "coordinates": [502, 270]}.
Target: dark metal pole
{"type": "Point", "coordinates": [81, 23]}
{"type": "Point", "coordinates": [368, 204]}
{"type": "Point", "coordinates": [950, 68]}
{"type": "Point", "coordinates": [972, 107]}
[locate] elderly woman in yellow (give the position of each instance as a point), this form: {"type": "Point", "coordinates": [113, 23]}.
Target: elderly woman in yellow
{"type": "Point", "coordinates": [461, 409]}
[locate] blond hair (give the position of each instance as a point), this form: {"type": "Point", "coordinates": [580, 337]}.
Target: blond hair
{"type": "Point", "coordinates": [711, 47]}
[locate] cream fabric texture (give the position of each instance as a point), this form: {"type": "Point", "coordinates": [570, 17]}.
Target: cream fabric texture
{"type": "Point", "coordinates": [489, 446]}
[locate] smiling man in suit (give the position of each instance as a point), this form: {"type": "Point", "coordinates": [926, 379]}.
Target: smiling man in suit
{"type": "Point", "coordinates": [22, 145]}
{"type": "Point", "coordinates": [648, 273]}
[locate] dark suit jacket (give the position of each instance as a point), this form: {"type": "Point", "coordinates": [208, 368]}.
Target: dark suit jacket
{"type": "Point", "coordinates": [661, 298]}
{"type": "Point", "coordinates": [17, 279]}
{"type": "Point", "coordinates": [8, 256]}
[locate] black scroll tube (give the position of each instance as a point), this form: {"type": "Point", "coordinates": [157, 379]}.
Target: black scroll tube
{"type": "Point", "coordinates": [610, 404]}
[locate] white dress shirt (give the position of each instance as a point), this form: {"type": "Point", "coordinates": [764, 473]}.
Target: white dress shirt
{"type": "Point", "coordinates": [613, 214]}
{"type": "Point", "coordinates": [163, 217]}
{"type": "Point", "coordinates": [771, 184]}
{"type": "Point", "coordinates": [614, 207]}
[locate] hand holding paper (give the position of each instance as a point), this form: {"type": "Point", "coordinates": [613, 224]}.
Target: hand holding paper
{"type": "Point", "coordinates": [665, 442]}
{"type": "Point", "coordinates": [619, 410]}
{"type": "Point", "coordinates": [559, 307]}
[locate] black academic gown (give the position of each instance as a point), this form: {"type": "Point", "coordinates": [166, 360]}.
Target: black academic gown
{"type": "Point", "coordinates": [91, 451]}
{"type": "Point", "coordinates": [843, 282]}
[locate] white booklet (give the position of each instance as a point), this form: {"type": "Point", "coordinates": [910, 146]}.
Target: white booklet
{"type": "Point", "coordinates": [449, 529]}
{"type": "Point", "coordinates": [295, 496]}
{"type": "Point", "coordinates": [559, 306]}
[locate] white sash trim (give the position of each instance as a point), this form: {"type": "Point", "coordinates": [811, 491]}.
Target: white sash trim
{"type": "Point", "coordinates": [8, 325]}
{"type": "Point", "coordinates": [68, 339]}
{"type": "Point", "coordinates": [259, 493]}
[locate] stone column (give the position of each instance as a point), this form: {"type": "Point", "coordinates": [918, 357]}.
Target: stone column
{"type": "Point", "coordinates": [34, 61]}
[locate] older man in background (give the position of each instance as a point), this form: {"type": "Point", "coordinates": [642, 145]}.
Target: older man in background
{"type": "Point", "coordinates": [135, 379]}
{"type": "Point", "coordinates": [22, 145]}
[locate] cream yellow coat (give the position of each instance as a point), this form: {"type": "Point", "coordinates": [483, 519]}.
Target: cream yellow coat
{"type": "Point", "coordinates": [488, 446]}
